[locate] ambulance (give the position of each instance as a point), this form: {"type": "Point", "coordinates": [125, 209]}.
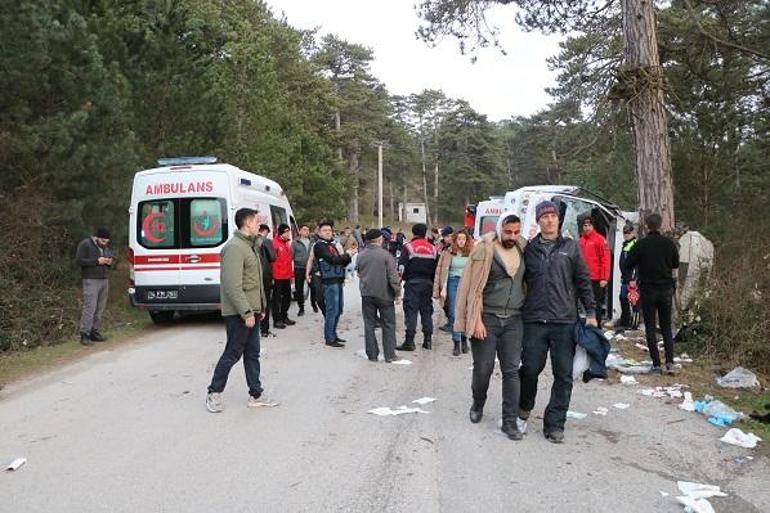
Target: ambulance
{"type": "Point", "coordinates": [181, 214]}
{"type": "Point", "coordinates": [487, 214]}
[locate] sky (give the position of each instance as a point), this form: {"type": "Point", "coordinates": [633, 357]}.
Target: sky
{"type": "Point", "coordinates": [500, 86]}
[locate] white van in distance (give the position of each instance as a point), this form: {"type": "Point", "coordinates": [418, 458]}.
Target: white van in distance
{"type": "Point", "coordinates": [181, 215]}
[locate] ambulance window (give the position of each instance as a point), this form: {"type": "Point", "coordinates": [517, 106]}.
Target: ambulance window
{"type": "Point", "coordinates": [569, 210]}
{"type": "Point", "coordinates": [488, 224]}
{"type": "Point", "coordinates": [207, 222]}
{"type": "Point", "coordinates": [157, 224]}
{"type": "Point", "coordinates": [279, 217]}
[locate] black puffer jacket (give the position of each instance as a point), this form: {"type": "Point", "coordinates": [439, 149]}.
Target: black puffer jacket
{"type": "Point", "coordinates": [554, 281]}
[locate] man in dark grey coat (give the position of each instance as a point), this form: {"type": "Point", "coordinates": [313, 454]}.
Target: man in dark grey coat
{"type": "Point", "coordinates": [380, 289]}
{"type": "Point", "coordinates": [555, 275]}
{"type": "Point", "coordinates": [95, 259]}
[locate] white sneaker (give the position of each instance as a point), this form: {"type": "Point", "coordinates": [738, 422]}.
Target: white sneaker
{"type": "Point", "coordinates": [261, 402]}
{"type": "Point", "coordinates": [522, 425]}
{"type": "Point", "coordinates": [214, 402]}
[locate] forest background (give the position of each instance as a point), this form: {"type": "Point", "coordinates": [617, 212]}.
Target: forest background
{"type": "Point", "coordinates": [93, 91]}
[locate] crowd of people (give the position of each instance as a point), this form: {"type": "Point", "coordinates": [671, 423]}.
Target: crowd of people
{"type": "Point", "coordinates": [504, 297]}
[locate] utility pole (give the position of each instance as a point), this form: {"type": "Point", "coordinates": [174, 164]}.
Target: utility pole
{"type": "Point", "coordinates": [379, 184]}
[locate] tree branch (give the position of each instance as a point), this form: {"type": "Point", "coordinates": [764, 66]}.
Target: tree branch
{"type": "Point", "coordinates": [720, 41]}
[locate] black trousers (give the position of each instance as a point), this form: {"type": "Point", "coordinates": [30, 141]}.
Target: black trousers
{"type": "Point", "coordinates": [299, 287]}
{"type": "Point", "coordinates": [241, 341]}
{"type": "Point", "coordinates": [264, 324]}
{"type": "Point", "coordinates": [418, 298]}
{"type": "Point", "coordinates": [658, 300]}
{"type": "Point", "coordinates": [599, 295]}
{"type": "Point", "coordinates": [373, 308]}
{"type": "Point", "coordinates": [281, 300]}
{"type": "Point", "coordinates": [316, 292]}
{"type": "Point", "coordinates": [504, 340]}
{"type": "Point", "coordinates": [539, 339]}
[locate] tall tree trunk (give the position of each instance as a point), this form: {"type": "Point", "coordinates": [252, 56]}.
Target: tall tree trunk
{"type": "Point", "coordinates": [392, 200]}
{"type": "Point", "coordinates": [649, 123]}
{"type": "Point", "coordinates": [406, 198]}
{"type": "Point", "coordinates": [435, 194]}
{"type": "Point", "coordinates": [424, 176]}
{"type": "Point", "coordinates": [338, 128]}
{"type": "Point", "coordinates": [354, 165]}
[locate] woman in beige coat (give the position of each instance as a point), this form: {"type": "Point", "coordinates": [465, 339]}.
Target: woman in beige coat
{"type": "Point", "coordinates": [447, 280]}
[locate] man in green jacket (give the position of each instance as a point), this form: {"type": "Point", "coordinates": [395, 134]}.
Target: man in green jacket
{"type": "Point", "coordinates": [243, 302]}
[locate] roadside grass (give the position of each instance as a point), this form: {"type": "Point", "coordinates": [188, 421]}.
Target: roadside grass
{"type": "Point", "coordinates": [700, 377]}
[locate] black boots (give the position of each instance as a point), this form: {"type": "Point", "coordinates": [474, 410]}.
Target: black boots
{"type": "Point", "coordinates": [85, 339]}
{"type": "Point", "coordinates": [408, 345]}
{"type": "Point", "coordinates": [464, 344]}
{"type": "Point", "coordinates": [456, 350]}
{"type": "Point", "coordinates": [427, 343]}
{"type": "Point", "coordinates": [96, 336]}
{"type": "Point", "coordinates": [477, 411]}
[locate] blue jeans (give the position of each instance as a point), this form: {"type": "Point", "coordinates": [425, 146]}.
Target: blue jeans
{"type": "Point", "coordinates": [241, 341]}
{"type": "Point", "coordinates": [333, 304]}
{"type": "Point", "coordinates": [452, 283]}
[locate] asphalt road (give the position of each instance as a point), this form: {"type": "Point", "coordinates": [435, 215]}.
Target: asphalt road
{"type": "Point", "coordinates": [125, 430]}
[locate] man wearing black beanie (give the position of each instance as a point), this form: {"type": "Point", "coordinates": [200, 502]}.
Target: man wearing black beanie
{"type": "Point", "coordinates": [418, 267]}
{"type": "Point", "coordinates": [95, 260]}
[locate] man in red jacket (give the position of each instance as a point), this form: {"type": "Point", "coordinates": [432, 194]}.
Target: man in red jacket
{"type": "Point", "coordinates": [283, 273]}
{"type": "Point", "coordinates": [595, 252]}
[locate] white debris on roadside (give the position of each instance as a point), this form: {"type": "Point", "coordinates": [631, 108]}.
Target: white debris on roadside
{"type": "Point", "coordinates": [422, 401]}
{"type": "Point", "coordinates": [628, 380]}
{"type": "Point", "coordinates": [735, 436]}
{"type": "Point", "coordinates": [663, 494]}
{"type": "Point", "coordinates": [609, 335]}
{"type": "Point", "coordinates": [688, 404]}
{"type": "Point", "coordinates": [739, 377]}
{"type": "Point", "coordinates": [16, 464]}
{"type": "Point", "coordinates": [576, 415]}
{"type": "Point", "coordinates": [695, 496]}
{"type": "Point", "coordinates": [621, 406]}
{"type": "Point", "coordinates": [601, 410]}
{"type": "Point", "coordinates": [402, 362]}
{"type": "Point", "coordinates": [385, 411]}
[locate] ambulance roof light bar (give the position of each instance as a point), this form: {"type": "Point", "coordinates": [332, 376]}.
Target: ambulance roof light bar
{"type": "Point", "coordinates": [186, 161]}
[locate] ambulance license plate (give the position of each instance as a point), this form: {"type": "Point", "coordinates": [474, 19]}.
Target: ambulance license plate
{"type": "Point", "coordinates": [162, 294]}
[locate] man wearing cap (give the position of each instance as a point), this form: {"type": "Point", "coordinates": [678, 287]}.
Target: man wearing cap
{"type": "Point", "coordinates": [418, 268]}
{"type": "Point", "coordinates": [555, 275]}
{"type": "Point", "coordinates": [331, 265]}
{"type": "Point", "coordinates": [627, 276]}
{"type": "Point", "coordinates": [266, 256]}
{"type": "Point", "coordinates": [95, 259]}
{"type": "Point", "coordinates": [597, 257]}
{"type": "Point", "coordinates": [380, 288]}
{"type": "Point", "coordinates": [283, 272]}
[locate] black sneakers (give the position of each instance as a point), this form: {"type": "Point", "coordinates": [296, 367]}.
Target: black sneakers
{"type": "Point", "coordinates": [556, 436]}
{"type": "Point", "coordinates": [512, 432]}
{"type": "Point", "coordinates": [85, 339]}
{"type": "Point", "coordinates": [408, 345]}
{"type": "Point", "coordinates": [96, 336]}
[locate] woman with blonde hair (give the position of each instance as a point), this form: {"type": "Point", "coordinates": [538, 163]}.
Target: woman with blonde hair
{"type": "Point", "coordinates": [448, 273]}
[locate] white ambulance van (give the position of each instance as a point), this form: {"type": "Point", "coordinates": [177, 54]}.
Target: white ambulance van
{"type": "Point", "coordinates": [572, 202]}
{"type": "Point", "coordinates": [487, 214]}
{"type": "Point", "coordinates": [181, 215]}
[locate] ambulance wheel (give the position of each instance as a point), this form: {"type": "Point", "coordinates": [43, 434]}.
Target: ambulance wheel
{"type": "Point", "coordinates": [162, 317]}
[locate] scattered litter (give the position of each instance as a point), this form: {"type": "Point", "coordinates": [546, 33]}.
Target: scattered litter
{"type": "Point", "coordinates": [609, 335]}
{"type": "Point", "coordinates": [580, 362]}
{"type": "Point", "coordinates": [735, 436]}
{"type": "Point", "coordinates": [738, 378]}
{"type": "Point", "coordinates": [16, 464]}
{"type": "Point", "coordinates": [362, 354]}
{"type": "Point", "coordinates": [628, 380]}
{"type": "Point", "coordinates": [683, 358]}
{"type": "Point", "coordinates": [641, 346]}
{"type": "Point", "coordinates": [401, 410]}
{"type": "Point", "coordinates": [601, 410]}
{"type": "Point", "coordinates": [621, 406]}
{"type": "Point", "coordinates": [620, 336]}
{"type": "Point", "coordinates": [422, 401]}
{"type": "Point", "coordinates": [688, 404]}
{"type": "Point", "coordinates": [695, 505]}
{"type": "Point", "coordinates": [576, 415]}
{"type": "Point", "coordinates": [699, 491]}
{"type": "Point", "coordinates": [401, 362]}
{"type": "Point", "coordinates": [663, 494]}
{"type": "Point", "coordinates": [718, 412]}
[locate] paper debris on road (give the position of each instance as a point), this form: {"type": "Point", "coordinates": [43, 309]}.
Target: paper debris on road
{"type": "Point", "coordinates": [422, 401]}
{"type": "Point", "coordinates": [628, 380]}
{"type": "Point", "coordinates": [737, 437]}
{"type": "Point", "coordinates": [402, 362]}
{"type": "Point", "coordinates": [688, 404]}
{"type": "Point", "coordinates": [663, 494]}
{"type": "Point", "coordinates": [621, 406]}
{"type": "Point", "coordinates": [16, 464]}
{"type": "Point", "coordinates": [738, 378]}
{"type": "Point", "coordinates": [699, 491]}
{"type": "Point", "coordinates": [576, 415]}
{"type": "Point", "coordinates": [609, 335]}
{"type": "Point", "coordinates": [695, 505]}
{"type": "Point", "coordinates": [385, 411]}
{"type": "Point", "coordinates": [601, 410]}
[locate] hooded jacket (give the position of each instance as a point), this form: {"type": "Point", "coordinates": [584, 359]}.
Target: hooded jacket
{"type": "Point", "coordinates": [242, 289]}
{"type": "Point", "coordinates": [282, 267]}
{"type": "Point", "coordinates": [596, 255]}
{"type": "Point", "coordinates": [470, 292]}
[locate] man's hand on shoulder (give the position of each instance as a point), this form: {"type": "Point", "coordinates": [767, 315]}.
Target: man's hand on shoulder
{"type": "Point", "coordinates": [591, 321]}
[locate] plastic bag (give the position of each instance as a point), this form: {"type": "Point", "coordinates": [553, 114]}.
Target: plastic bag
{"type": "Point", "coordinates": [738, 378]}
{"type": "Point", "coordinates": [720, 414]}
{"type": "Point", "coordinates": [579, 363]}
{"type": "Point", "coordinates": [737, 437]}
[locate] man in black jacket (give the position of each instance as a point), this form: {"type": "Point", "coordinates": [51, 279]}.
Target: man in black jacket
{"type": "Point", "coordinates": [331, 264]}
{"type": "Point", "coordinates": [95, 259]}
{"type": "Point", "coordinates": [656, 257]}
{"type": "Point", "coordinates": [267, 257]}
{"type": "Point", "coordinates": [418, 268]}
{"type": "Point", "coordinates": [555, 274]}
